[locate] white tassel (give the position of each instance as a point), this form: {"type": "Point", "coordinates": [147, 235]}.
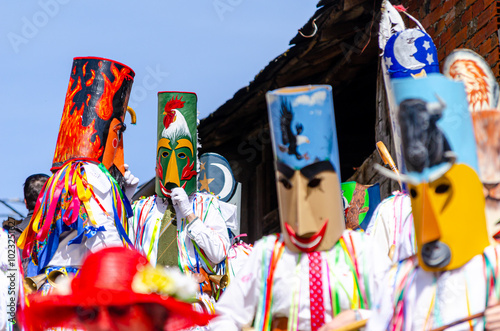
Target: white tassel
{"type": "Point", "coordinates": [391, 22]}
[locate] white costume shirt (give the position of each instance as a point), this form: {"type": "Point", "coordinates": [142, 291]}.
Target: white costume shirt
{"type": "Point", "coordinates": [239, 303]}
{"type": "Point", "coordinates": [433, 299]}
{"type": "Point", "coordinates": [74, 254]}
{"type": "Point", "coordinates": [209, 231]}
{"type": "Point", "coordinates": [392, 224]}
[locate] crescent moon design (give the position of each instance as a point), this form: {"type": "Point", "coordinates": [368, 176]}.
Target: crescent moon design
{"type": "Point", "coordinates": [228, 181]}
{"type": "Point", "coordinates": [404, 49]}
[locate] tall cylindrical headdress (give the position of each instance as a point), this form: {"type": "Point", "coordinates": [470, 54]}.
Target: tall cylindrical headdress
{"type": "Point", "coordinates": [483, 95]}
{"type": "Point", "coordinates": [176, 152]}
{"type": "Point", "coordinates": [441, 171]}
{"type": "Point", "coordinates": [94, 111]}
{"type": "Point", "coordinates": [304, 139]}
{"type": "Point", "coordinates": [405, 53]}
{"type": "Point", "coordinates": [303, 127]}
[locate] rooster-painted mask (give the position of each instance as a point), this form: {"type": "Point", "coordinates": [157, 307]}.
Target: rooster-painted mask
{"type": "Point", "coordinates": [304, 141]}
{"type": "Point", "coordinates": [441, 163]}
{"type": "Point", "coordinates": [92, 121]}
{"type": "Point", "coordinates": [176, 156]}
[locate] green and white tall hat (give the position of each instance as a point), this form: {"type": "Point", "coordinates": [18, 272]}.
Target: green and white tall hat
{"type": "Point", "coordinates": [176, 152]}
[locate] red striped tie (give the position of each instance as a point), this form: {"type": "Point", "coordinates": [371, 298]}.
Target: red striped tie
{"type": "Point", "coordinates": [316, 291]}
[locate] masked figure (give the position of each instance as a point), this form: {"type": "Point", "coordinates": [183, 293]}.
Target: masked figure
{"type": "Point", "coordinates": [288, 279]}
{"type": "Point", "coordinates": [482, 93]}
{"type": "Point", "coordinates": [406, 53]}
{"type": "Point", "coordinates": [179, 226]}
{"type": "Point", "coordinates": [449, 277]}
{"type": "Point", "coordinates": [83, 206]}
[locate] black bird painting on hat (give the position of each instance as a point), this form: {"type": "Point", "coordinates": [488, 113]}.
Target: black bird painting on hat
{"type": "Point", "coordinates": [290, 140]}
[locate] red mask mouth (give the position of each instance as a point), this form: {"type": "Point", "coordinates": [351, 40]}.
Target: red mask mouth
{"type": "Point", "coordinates": [166, 192]}
{"type": "Point", "coordinates": [306, 245]}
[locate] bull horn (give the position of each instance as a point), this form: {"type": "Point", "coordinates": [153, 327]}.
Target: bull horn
{"type": "Point", "coordinates": [389, 174]}
{"type": "Point", "coordinates": [33, 284]}
{"type": "Point", "coordinates": [220, 280]}
{"type": "Point", "coordinates": [133, 117]}
{"type": "Point", "coordinates": [452, 158]}
{"type": "Point", "coordinates": [435, 108]}
{"type": "Point", "coordinates": [54, 275]}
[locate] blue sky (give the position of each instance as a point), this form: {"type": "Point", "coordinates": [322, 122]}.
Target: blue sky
{"type": "Point", "coordinates": [210, 47]}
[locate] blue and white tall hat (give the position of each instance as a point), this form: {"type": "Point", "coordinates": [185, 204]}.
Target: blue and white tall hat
{"type": "Point", "coordinates": [435, 120]}
{"type": "Point", "coordinates": [302, 123]}
{"type": "Point", "coordinates": [410, 53]}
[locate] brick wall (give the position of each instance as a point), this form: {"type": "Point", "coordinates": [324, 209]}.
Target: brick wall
{"type": "Point", "coordinates": [455, 24]}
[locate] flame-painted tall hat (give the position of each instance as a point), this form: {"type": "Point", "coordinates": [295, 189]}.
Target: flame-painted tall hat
{"type": "Point", "coordinates": [304, 139]}
{"type": "Point", "coordinates": [441, 171]}
{"type": "Point", "coordinates": [94, 111]}
{"type": "Point", "coordinates": [176, 152]}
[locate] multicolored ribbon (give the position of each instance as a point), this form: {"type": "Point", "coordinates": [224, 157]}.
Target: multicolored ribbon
{"type": "Point", "coordinates": [64, 205]}
{"type": "Point", "coordinates": [263, 318]}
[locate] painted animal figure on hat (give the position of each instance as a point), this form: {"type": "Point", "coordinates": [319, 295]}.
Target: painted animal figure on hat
{"type": "Point", "coordinates": [177, 143]}
{"type": "Point", "coordinates": [288, 137]}
{"type": "Point", "coordinates": [424, 142]}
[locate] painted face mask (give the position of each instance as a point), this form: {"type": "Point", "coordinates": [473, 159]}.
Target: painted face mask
{"type": "Point", "coordinates": [482, 93]}
{"type": "Point", "coordinates": [92, 121]}
{"type": "Point", "coordinates": [304, 141]}
{"type": "Point", "coordinates": [176, 158]}
{"type": "Point", "coordinates": [440, 156]}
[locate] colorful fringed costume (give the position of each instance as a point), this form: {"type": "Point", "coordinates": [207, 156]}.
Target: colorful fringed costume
{"type": "Point", "coordinates": [80, 209]}
{"type": "Point", "coordinates": [274, 284]}
{"type": "Point", "coordinates": [391, 227]}
{"type": "Point", "coordinates": [204, 244]}
{"type": "Point", "coordinates": [415, 299]}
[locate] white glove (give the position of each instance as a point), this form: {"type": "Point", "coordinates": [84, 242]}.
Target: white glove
{"type": "Point", "coordinates": [180, 200]}
{"type": "Point", "coordinates": [131, 183]}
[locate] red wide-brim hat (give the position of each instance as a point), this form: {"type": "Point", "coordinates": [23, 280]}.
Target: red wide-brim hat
{"type": "Point", "coordinates": [105, 279]}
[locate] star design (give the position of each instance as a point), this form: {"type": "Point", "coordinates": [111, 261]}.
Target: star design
{"type": "Point", "coordinates": [426, 45]}
{"type": "Point", "coordinates": [429, 58]}
{"type": "Point", "coordinates": [204, 183]}
{"type": "Point", "coordinates": [388, 62]}
{"type": "Point", "coordinates": [202, 166]}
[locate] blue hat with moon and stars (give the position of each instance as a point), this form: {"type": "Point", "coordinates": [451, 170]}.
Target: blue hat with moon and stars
{"type": "Point", "coordinates": [302, 123]}
{"type": "Point", "coordinates": [216, 176]}
{"type": "Point", "coordinates": [410, 53]}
